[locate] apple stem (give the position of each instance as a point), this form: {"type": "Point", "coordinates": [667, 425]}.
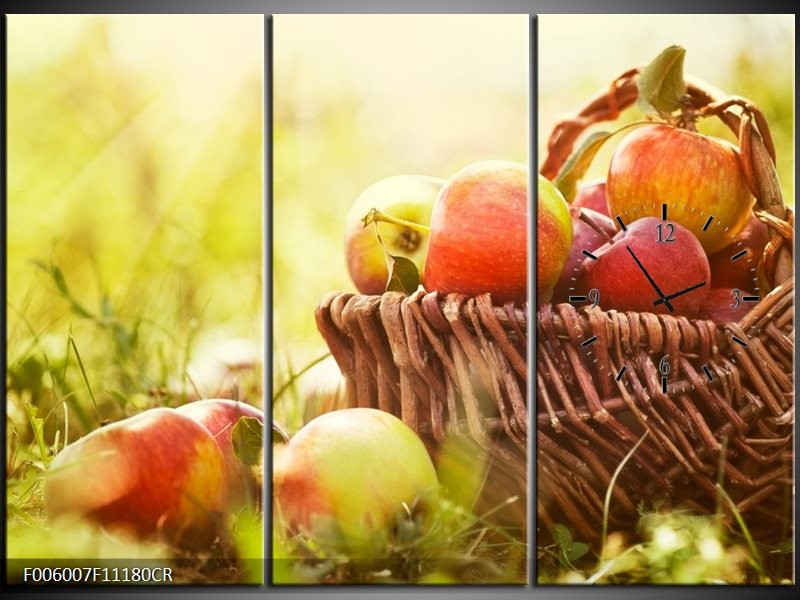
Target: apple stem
{"type": "Point", "coordinates": [583, 216]}
{"type": "Point", "coordinates": [375, 215]}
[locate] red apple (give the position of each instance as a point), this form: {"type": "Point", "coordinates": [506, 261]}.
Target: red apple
{"type": "Point", "coordinates": [479, 233]}
{"type": "Point", "coordinates": [157, 473]}
{"type": "Point", "coordinates": [584, 237]}
{"type": "Point", "coordinates": [623, 284]}
{"type": "Point", "coordinates": [592, 195]}
{"type": "Point", "coordinates": [742, 273]}
{"type": "Point", "coordinates": [347, 474]}
{"type": "Point", "coordinates": [407, 197]}
{"type": "Point", "coordinates": [553, 238]}
{"type": "Point", "coordinates": [725, 305]}
{"type": "Point", "coordinates": [661, 164]}
{"type": "Point", "coordinates": [219, 416]}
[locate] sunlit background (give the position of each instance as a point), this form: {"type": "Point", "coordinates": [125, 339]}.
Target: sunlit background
{"type": "Point", "coordinates": [358, 98]}
{"type": "Point", "coordinates": [744, 55]}
{"type": "Point", "coordinates": [135, 166]}
{"type": "Point", "coordinates": [134, 224]}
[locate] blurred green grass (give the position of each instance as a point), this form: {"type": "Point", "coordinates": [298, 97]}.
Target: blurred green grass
{"type": "Point", "coordinates": [135, 211]}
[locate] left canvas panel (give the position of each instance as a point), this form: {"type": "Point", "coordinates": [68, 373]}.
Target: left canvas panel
{"type": "Point", "coordinates": [135, 178]}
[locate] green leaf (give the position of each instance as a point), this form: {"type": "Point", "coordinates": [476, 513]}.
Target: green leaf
{"type": "Point", "coordinates": [578, 163]}
{"type": "Point", "coordinates": [577, 550]}
{"type": "Point", "coordinates": [403, 274]}
{"type": "Point", "coordinates": [279, 434]}
{"type": "Point", "coordinates": [574, 169]}
{"type": "Point", "coordinates": [562, 535]}
{"type": "Point", "coordinates": [661, 85]}
{"type": "Point", "coordinates": [248, 440]}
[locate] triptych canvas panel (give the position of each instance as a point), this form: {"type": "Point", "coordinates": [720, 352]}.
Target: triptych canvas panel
{"type": "Point", "coordinates": [410, 299]}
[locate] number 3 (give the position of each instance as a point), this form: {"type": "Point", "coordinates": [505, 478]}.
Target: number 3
{"type": "Point", "coordinates": [737, 294]}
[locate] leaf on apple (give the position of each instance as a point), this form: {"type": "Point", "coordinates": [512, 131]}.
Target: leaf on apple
{"type": "Point", "coordinates": [403, 274]}
{"type": "Point", "coordinates": [248, 440]}
{"type": "Point", "coordinates": [661, 85]}
{"type": "Point", "coordinates": [279, 433]}
{"type": "Point", "coordinates": [578, 163]}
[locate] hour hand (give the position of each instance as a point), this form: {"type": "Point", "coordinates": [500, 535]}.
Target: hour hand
{"type": "Point", "coordinates": [662, 297]}
{"type": "Point", "coordinates": [666, 299]}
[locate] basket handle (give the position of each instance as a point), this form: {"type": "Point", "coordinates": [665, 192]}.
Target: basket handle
{"type": "Point", "coordinates": [740, 115]}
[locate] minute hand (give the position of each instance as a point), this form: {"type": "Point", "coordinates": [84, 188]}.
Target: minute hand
{"type": "Point", "coordinates": [662, 297]}
{"type": "Point", "coordinates": [676, 294]}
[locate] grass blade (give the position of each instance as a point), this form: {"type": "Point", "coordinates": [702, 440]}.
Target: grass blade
{"type": "Point", "coordinates": [83, 373]}
{"type": "Point", "coordinates": [607, 501]}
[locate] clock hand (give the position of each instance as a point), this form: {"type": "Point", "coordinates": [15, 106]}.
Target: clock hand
{"type": "Point", "coordinates": [681, 293]}
{"type": "Point", "coordinates": [661, 295]}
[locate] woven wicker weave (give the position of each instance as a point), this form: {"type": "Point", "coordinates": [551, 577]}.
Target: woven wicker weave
{"type": "Point", "coordinates": [456, 364]}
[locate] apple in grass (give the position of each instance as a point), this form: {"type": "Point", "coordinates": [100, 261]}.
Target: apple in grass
{"type": "Point", "coordinates": [479, 233]}
{"type": "Point", "coordinates": [345, 477]}
{"type": "Point", "coordinates": [554, 232]}
{"type": "Point", "coordinates": [634, 272]}
{"type": "Point", "coordinates": [158, 474]}
{"type": "Point", "coordinates": [405, 197]}
{"type": "Point", "coordinates": [219, 417]}
{"type": "Point", "coordinates": [662, 164]}
{"type": "Point", "coordinates": [584, 237]}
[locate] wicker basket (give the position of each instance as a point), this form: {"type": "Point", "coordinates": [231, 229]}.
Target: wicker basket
{"type": "Point", "coordinates": [732, 434]}
{"type": "Point", "coordinates": [447, 366]}
{"type": "Point", "coordinates": [452, 364]}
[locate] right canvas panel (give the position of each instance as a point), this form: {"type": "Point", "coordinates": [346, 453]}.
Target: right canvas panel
{"type": "Point", "coordinates": [665, 295]}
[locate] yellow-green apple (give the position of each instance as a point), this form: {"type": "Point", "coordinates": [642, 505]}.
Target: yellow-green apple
{"type": "Point", "coordinates": [156, 474]}
{"type": "Point", "coordinates": [346, 476]}
{"type": "Point", "coordinates": [740, 273]}
{"type": "Point", "coordinates": [725, 305]}
{"type": "Point", "coordinates": [584, 237]}
{"type": "Point", "coordinates": [406, 197]}
{"type": "Point", "coordinates": [700, 175]}
{"type": "Point", "coordinates": [219, 417]}
{"type": "Point", "coordinates": [592, 195]}
{"type": "Point", "coordinates": [479, 233]}
{"type": "Point", "coordinates": [553, 238]}
{"type": "Point", "coordinates": [636, 272]}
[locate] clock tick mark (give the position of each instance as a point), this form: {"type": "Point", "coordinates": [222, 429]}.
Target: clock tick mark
{"type": "Point", "coordinates": [590, 255]}
{"type": "Point", "coordinates": [708, 373]}
{"type": "Point", "coordinates": [739, 255]}
{"type": "Point", "coordinates": [621, 373]}
{"type": "Point", "coordinates": [591, 340]}
{"type": "Point", "coordinates": [739, 341]}
{"type": "Point", "coordinates": [663, 212]}
{"type": "Point", "coordinates": [621, 224]}
{"type": "Point", "coordinates": [711, 218]}
{"type": "Point", "coordinates": [663, 385]}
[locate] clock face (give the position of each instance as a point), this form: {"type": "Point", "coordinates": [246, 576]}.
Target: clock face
{"type": "Point", "coordinates": [655, 266]}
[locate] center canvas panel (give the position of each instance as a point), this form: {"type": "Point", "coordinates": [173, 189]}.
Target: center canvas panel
{"type": "Point", "coordinates": [400, 222]}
